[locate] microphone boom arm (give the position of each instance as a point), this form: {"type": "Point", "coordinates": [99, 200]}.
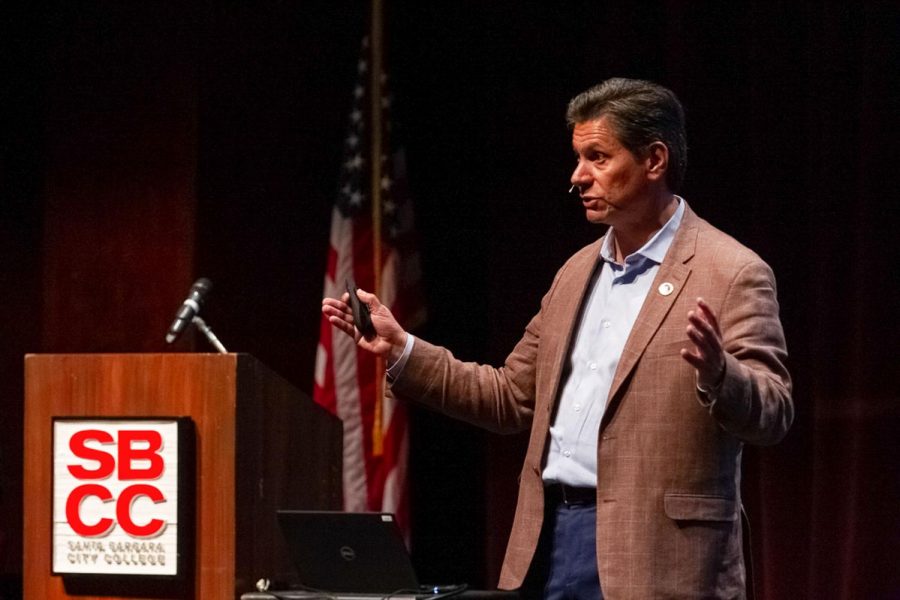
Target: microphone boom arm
{"type": "Point", "coordinates": [208, 332]}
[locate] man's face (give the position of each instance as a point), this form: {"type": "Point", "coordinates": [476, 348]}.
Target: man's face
{"type": "Point", "coordinates": [613, 182]}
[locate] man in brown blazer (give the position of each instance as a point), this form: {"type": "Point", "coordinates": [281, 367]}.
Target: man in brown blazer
{"type": "Point", "coordinates": [655, 355]}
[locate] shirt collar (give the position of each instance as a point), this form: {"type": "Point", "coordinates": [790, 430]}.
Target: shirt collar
{"type": "Point", "coordinates": [656, 247]}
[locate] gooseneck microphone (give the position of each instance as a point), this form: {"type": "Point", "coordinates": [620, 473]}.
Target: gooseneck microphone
{"type": "Point", "coordinates": [189, 308]}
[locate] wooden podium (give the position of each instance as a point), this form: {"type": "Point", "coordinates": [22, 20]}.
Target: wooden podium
{"type": "Point", "coordinates": [260, 445]}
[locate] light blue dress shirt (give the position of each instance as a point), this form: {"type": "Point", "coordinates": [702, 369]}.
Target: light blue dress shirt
{"type": "Point", "coordinates": [613, 303]}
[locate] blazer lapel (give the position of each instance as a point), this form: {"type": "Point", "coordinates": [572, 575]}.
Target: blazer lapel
{"type": "Point", "coordinates": [672, 271]}
{"type": "Point", "coordinates": [569, 300]}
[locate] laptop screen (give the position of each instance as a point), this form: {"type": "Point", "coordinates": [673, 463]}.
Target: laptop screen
{"type": "Point", "coordinates": [358, 553]}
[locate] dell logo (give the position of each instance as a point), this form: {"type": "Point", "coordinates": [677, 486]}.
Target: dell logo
{"type": "Point", "coordinates": [348, 553]}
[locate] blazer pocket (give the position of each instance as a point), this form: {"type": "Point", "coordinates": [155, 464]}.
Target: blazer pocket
{"type": "Point", "coordinates": [667, 349]}
{"type": "Point", "coordinates": [700, 507]}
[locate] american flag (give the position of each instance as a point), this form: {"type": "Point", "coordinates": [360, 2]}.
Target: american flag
{"type": "Point", "coordinates": [348, 380]}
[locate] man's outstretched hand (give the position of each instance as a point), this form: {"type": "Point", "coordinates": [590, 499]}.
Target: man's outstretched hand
{"type": "Point", "coordinates": [389, 339]}
{"type": "Point", "coordinates": [707, 355]}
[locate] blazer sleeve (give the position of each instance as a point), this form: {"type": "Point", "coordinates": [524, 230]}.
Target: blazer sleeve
{"type": "Point", "coordinates": [754, 400]}
{"type": "Point", "coordinates": [499, 399]}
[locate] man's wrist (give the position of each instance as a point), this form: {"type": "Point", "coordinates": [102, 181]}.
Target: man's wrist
{"type": "Point", "coordinates": [397, 349]}
{"type": "Point", "coordinates": [397, 361]}
{"type": "Point", "coordinates": [710, 391]}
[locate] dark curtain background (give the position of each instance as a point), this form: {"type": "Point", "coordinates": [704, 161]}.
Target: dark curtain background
{"type": "Point", "coordinates": [145, 144]}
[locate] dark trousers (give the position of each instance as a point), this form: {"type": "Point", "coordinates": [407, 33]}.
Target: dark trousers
{"type": "Point", "coordinates": [565, 562]}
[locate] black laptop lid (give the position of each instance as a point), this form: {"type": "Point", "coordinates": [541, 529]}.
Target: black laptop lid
{"type": "Point", "coordinates": [348, 552]}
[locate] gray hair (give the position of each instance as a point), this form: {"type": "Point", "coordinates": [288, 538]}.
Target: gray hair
{"type": "Point", "coordinates": [640, 112]}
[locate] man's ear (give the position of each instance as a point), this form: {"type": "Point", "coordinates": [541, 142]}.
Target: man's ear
{"type": "Point", "coordinates": [657, 161]}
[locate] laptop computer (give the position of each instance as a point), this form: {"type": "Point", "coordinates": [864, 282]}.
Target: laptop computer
{"type": "Point", "coordinates": [357, 555]}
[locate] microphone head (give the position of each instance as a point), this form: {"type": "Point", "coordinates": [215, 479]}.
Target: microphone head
{"type": "Point", "coordinates": [189, 308]}
{"type": "Point", "coordinates": [202, 286]}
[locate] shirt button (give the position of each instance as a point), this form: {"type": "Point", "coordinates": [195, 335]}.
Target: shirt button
{"type": "Point", "coordinates": [577, 407]}
{"type": "Point", "coordinates": [606, 323]}
{"type": "Point", "coordinates": [592, 366]}
{"type": "Point", "coordinates": [567, 453]}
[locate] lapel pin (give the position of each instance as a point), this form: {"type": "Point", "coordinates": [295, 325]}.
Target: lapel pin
{"type": "Point", "coordinates": [666, 288]}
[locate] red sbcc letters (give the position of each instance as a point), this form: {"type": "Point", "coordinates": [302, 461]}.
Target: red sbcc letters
{"type": "Point", "coordinates": [107, 462]}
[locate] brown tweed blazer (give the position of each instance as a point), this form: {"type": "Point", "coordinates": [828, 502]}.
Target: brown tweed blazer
{"type": "Point", "coordinates": [668, 460]}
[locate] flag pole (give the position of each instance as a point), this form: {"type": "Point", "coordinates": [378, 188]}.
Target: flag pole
{"type": "Point", "coordinates": [375, 96]}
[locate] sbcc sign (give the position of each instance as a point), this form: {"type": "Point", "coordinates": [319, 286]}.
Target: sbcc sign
{"type": "Point", "coordinates": [118, 495]}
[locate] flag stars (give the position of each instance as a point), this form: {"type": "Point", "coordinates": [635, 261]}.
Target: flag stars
{"type": "Point", "coordinates": [362, 66]}
{"type": "Point", "coordinates": [356, 198]}
{"type": "Point", "coordinates": [386, 183]}
{"type": "Point", "coordinates": [355, 162]}
{"type": "Point", "coordinates": [353, 140]}
{"type": "Point", "coordinates": [356, 115]}
{"type": "Point", "coordinates": [390, 207]}
{"type": "Point", "coordinates": [358, 92]}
